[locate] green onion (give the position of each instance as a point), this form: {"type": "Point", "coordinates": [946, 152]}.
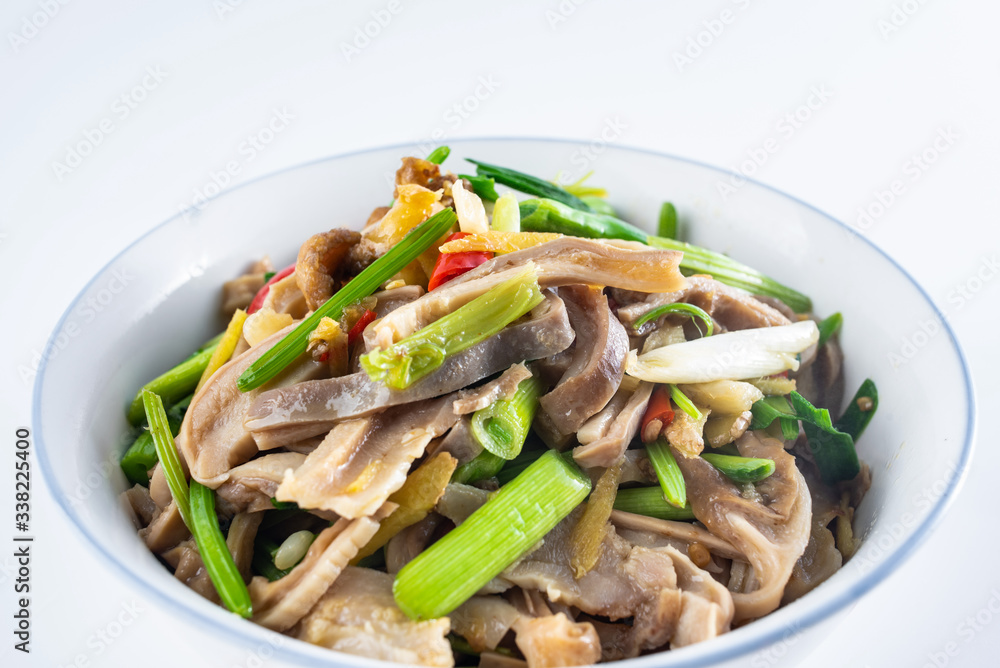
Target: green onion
{"type": "Point", "coordinates": [542, 215]}
{"type": "Point", "coordinates": [482, 466]}
{"type": "Point", "coordinates": [141, 455]}
{"type": "Point", "coordinates": [453, 569]}
{"type": "Point", "coordinates": [417, 355]}
{"type": "Point", "coordinates": [548, 215]}
{"type": "Point", "coordinates": [215, 553]}
{"type": "Point", "coordinates": [483, 186]}
{"type": "Point", "coordinates": [439, 155]}
{"type": "Point", "coordinates": [502, 426]}
{"type": "Point", "coordinates": [422, 237]}
{"type": "Point", "coordinates": [506, 215]}
{"type": "Point", "coordinates": [531, 185]}
{"type": "Point", "coordinates": [516, 466]}
{"type": "Point", "coordinates": [741, 469]}
{"type": "Point", "coordinates": [667, 472]}
{"type": "Point", "coordinates": [833, 450]}
{"type": "Point", "coordinates": [855, 418]}
{"type": "Point", "coordinates": [166, 452]}
{"type": "Point", "coordinates": [684, 403]}
{"type": "Point", "coordinates": [599, 205]}
{"type": "Point", "coordinates": [174, 384]}
{"type": "Point", "coordinates": [666, 225]}
{"type": "Point", "coordinates": [197, 509]}
{"type": "Point", "coordinates": [766, 410]}
{"type": "Point", "coordinates": [649, 501]}
{"type": "Point", "coordinates": [678, 307]}
{"type": "Point", "coordinates": [268, 275]}
{"type": "Point", "coordinates": [828, 327]}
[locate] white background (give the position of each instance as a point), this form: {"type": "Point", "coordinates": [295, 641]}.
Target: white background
{"type": "Point", "coordinates": [893, 77]}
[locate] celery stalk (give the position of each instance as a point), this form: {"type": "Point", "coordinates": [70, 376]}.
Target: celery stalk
{"type": "Point", "coordinates": [741, 469]}
{"type": "Point", "coordinates": [412, 358]}
{"type": "Point", "coordinates": [453, 569]}
{"type": "Point", "coordinates": [667, 472]}
{"type": "Point", "coordinates": [649, 501]}
{"type": "Point", "coordinates": [502, 427]}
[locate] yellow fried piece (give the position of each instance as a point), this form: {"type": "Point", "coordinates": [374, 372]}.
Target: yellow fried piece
{"type": "Point", "coordinates": [416, 498]}
{"type": "Point", "coordinates": [414, 204]}
{"type": "Point", "coordinates": [498, 242]}
{"type": "Point", "coordinates": [587, 539]}
{"type": "Point", "coordinates": [227, 344]}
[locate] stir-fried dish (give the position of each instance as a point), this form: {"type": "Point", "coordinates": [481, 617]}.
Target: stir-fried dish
{"type": "Point", "coordinates": [501, 426]}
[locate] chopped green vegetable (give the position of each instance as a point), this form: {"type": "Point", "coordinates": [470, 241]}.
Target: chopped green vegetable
{"type": "Point", "coordinates": [649, 501]}
{"type": "Point", "coordinates": [666, 226]}
{"type": "Point", "coordinates": [684, 403]}
{"type": "Point", "coordinates": [667, 472]}
{"type": "Point", "coordinates": [514, 467]}
{"type": "Point", "coordinates": [422, 237]}
{"type": "Point", "coordinates": [268, 275]}
{"type": "Point", "coordinates": [546, 215]}
{"type": "Point", "coordinates": [506, 215]}
{"type": "Point", "coordinates": [832, 449]}
{"type": "Point", "coordinates": [453, 569]}
{"type": "Point", "coordinates": [860, 411]}
{"type": "Point", "coordinates": [766, 410]}
{"type": "Point", "coordinates": [215, 553]}
{"type": "Point", "coordinates": [828, 327]}
{"type": "Point", "coordinates": [412, 358]}
{"type": "Point", "coordinates": [582, 191]}
{"type": "Point", "coordinates": [439, 155]}
{"type": "Point", "coordinates": [197, 508]}
{"type": "Point", "coordinates": [166, 452]}
{"type": "Point", "coordinates": [741, 469]}
{"type": "Point", "coordinates": [678, 307]}
{"type": "Point", "coordinates": [174, 384]}
{"type": "Point", "coordinates": [599, 205]}
{"type": "Point", "coordinates": [482, 466]}
{"type": "Point", "coordinates": [141, 455]}
{"type": "Point", "coordinates": [483, 186]}
{"type": "Point", "coordinates": [532, 185]}
{"type": "Point", "coordinates": [502, 426]}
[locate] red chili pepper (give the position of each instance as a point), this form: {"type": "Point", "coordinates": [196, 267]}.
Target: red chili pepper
{"type": "Point", "coordinates": [359, 326]}
{"type": "Point", "coordinates": [659, 414]}
{"type": "Point", "coordinates": [450, 265]}
{"type": "Point", "coordinates": [258, 299]}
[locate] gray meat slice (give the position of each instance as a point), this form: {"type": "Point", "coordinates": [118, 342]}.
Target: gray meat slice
{"type": "Point", "coordinates": [730, 307]}
{"type": "Point", "coordinates": [598, 362]}
{"type": "Point", "coordinates": [556, 640]}
{"type": "Point", "coordinates": [212, 438]}
{"type": "Point", "coordinates": [459, 442]}
{"type": "Point", "coordinates": [771, 535]}
{"type": "Point", "coordinates": [483, 621]}
{"type": "Point", "coordinates": [318, 405]}
{"type": "Point", "coordinates": [279, 605]}
{"type": "Point", "coordinates": [410, 542]}
{"type": "Point", "coordinates": [361, 462]}
{"type": "Point", "coordinates": [564, 261]}
{"type": "Point", "coordinates": [504, 387]}
{"type": "Point", "coordinates": [359, 616]}
{"type": "Point", "coordinates": [609, 448]}
{"type": "Point", "coordinates": [250, 487]}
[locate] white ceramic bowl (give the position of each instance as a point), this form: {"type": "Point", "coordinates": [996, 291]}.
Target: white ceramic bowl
{"type": "Point", "coordinates": [159, 299]}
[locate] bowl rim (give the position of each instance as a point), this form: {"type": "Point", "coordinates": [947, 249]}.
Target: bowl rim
{"type": "Point", "coordinates": [304, 654]}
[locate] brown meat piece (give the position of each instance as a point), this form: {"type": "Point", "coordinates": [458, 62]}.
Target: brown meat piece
{"type": "Point", "coordinates": [319, 262]}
